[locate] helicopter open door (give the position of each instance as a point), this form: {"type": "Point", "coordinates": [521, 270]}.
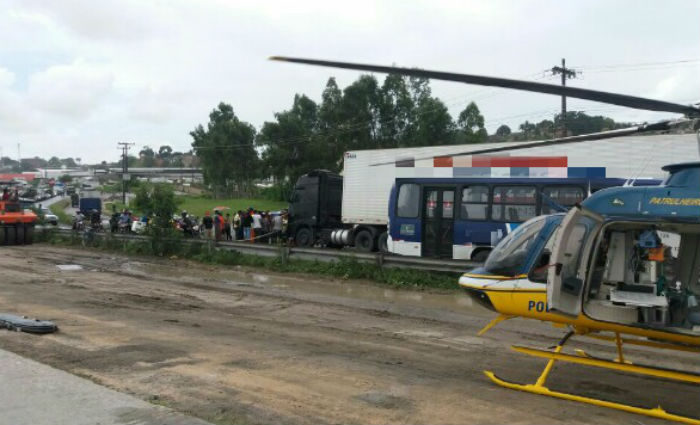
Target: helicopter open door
{"type": "Point", "coordinates": [570, 252]}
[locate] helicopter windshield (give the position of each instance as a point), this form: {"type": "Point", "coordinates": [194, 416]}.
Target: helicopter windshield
{"type": "Point", "coordinates": [509, 255]}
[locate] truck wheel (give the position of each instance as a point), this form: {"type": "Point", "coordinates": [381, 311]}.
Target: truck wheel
{"type": "Point", "coordinates": [29, 234]}
{"type": "Point", "coordinates": [364, 241]}
{"type": "Point", "coordinates": [20, 234]}
{"type": "Point", "coordinates": [10, 235]}
{"type": "Point", "coordinates": [481, 256]}
{"type": "Point", "coordinates": [382, 242]}
{"type": "Point", "coordinates": [304, 237]}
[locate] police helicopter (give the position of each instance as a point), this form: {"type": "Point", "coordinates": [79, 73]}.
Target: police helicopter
{"type": "Point", "coordinates": [623, 266]}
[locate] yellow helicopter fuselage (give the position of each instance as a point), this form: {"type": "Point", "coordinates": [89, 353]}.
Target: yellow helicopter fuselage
{"type": "Point", "coordinates": [517, 296]}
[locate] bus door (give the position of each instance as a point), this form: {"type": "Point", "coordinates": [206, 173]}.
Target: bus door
{"type": "Point", "coordinates": [438, 221]}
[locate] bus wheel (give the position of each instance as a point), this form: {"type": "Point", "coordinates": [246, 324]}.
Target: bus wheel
{"type": "Point", "coordinates": [481, 256]}
{"type": "Point", "coordinates": [20, 234]}
{"type": "Point", "coordinates": [364, 241]}
{"type": "Point", "coordinates": [382, 242]}
{"type": "Point", "coordinates": [304, 237]}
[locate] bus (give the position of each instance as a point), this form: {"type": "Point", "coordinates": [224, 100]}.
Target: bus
{"type": "Point", "coordinates": [464, 218]}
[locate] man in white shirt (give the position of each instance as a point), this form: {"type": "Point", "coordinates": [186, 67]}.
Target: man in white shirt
{"type": "Point", "coordinates": [257, 224]}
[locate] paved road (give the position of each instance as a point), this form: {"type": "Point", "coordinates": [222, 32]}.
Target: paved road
{"type": "Point", "coordinates": [35, 394]}
{"type": "Point", "coordinates": [48, 202]}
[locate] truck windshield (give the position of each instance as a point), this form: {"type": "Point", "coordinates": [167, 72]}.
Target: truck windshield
{"type": "Point", "coordinates": [509, 256]}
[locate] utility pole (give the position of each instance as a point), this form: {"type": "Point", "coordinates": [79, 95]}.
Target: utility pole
{"type": "Point", "coordinates": [565, 74]}
{"type": "Point", "coordinates": [124, 146]}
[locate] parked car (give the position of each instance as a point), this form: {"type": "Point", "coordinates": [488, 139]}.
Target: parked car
{"type": "Point", "coordinates": [49, 217]}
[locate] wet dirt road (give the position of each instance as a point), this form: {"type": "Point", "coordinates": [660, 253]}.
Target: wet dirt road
{"type": "Point", "coordinates": [241, 346]}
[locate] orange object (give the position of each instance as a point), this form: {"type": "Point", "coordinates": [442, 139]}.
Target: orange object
{"type": "Point", "coordinates": [656, 254]}
{"type": "Point", "coordinates": [16, 225]}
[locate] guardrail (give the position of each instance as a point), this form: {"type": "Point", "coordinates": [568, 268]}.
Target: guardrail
{"type": "Point", "coordinates": [318, 254]}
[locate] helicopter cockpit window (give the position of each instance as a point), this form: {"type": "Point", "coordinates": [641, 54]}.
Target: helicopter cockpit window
{"type": "Point", "coordinates": [541, 267]}
{"type": "Point", "coordinates": [684, 177]}
{"type": "Point", "coordinates": [509, 256]}
{"type": "Point", "coordinates": [513, 203]}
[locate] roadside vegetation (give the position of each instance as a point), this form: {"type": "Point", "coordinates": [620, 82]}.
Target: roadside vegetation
{"type": "Point", "coordinates": [197, 205]}
{"type": "Point", "coordinates": [59, 208]}
{"type": "Point", "coordinates": [206, 253]}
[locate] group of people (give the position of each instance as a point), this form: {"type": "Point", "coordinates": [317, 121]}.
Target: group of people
{"type": "Point", "coordinates": [248, 225]}
{"type": "Point", "coordinates": [10, 196]}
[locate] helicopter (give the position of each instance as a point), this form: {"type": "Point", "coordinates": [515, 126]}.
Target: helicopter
{"type": "Point", "coordinates": [622, 266]}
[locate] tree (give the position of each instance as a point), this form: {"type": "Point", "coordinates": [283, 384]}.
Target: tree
{"type": "Point", "coordinates": [503, 131]}
{"type": "Point", "coordinates": [65, 179]}
{"type": "Point", "coordinates": [396, 112]}
{"type": "Point", "coordinates": [471, 125]}
{"type": "Point", "coordinates": [147, 156]}
{"type": "Point", "coordinates": [68, 162]}
{"type": "Point", "coordinates": [433, 123]}
{"type": "Point", "coordinates": [165, 154]}
{"type": "Point", "coordinates": [54, 162]}
{"type": "Point", "coordinates": [226, 151]}
{"type": "Point", "coordinates": [528, 129]}
{"type": "Point", "coordinates": [157, 200]}
{"type": "Point", "coordinates": [330, 126]}
{"type": "Point", "coordinates": [292, 146]}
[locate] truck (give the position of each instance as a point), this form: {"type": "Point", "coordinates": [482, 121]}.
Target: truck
{"type": "Point", "coordinates": [86, 205]}
{"type": "Point", "coordinates": [352, 208]}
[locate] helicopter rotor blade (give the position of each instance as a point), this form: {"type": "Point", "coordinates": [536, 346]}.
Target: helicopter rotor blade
{"type": "Point", "coordinates": [579, 93]}
{"type": "Point", "coordinates": [663, 125]}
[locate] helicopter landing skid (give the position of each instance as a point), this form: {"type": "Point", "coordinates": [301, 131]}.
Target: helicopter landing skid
{"type": "Point", "coordinates": [618, 364]}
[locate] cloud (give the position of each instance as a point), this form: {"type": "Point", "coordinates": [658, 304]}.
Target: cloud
{"type": "Point", "coordinates": [74, 90]}
{"type": "Point", "coordinates": [126, 20]}
{"type": "Point", "coordinates": [7, 77]}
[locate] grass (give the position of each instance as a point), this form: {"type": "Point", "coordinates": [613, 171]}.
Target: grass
{"type": "Point", "coordinates": [197, 205]}
{"type": "Point", "coordinates": [343, 268]}
{"type": "Point", "coordinates": [59, 208]}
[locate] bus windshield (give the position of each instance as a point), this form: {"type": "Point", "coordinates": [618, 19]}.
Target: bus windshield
{"type": "Point", "coordinates": [509, 255]}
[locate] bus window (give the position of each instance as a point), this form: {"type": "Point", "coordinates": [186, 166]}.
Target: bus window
{"type": "Point", "coordinates": [513, 203]}
{"type": "Point", "coordinates": [431, 204]}
{"type": "Point", "coordinates": [475, 202]}
{"type": "Point", "coordinates": [408, 202]}
{"type": "Point", "coordinates": [448, 204]}
{"type": "Point", "coordinates": [563, 195]}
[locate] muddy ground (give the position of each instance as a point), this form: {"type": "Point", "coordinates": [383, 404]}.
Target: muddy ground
{"type": "Point", "coordinates": [243, 346]}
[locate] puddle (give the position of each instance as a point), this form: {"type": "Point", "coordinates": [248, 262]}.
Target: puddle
{"type": "Point", "coordinates": [69, 267]}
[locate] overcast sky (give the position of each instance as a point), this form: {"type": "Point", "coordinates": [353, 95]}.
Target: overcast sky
{"type": "Point", "coordinates": [78, 76]}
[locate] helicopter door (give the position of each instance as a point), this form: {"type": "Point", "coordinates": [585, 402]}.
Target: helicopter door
{"type": "Point", "coordinates": [565, 281]}
{"type": "Point", "coordinates": [438, 222]}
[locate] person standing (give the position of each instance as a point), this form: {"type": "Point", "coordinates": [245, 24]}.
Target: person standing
{"type": "Point", "coordinates": [276, 227]}
{"type": "Point", "coordinates": [237, 230]}
{"type": "Point", "coordinates": [257, 224]}
{"type": "Point", "coordinates": [247, 222]}
{"type": "Point", "coordinates": [208, 224]}
{"type": "Point", "coordinates": [227, 227]}
{"type": "Point", "coordinates": [217, 225]}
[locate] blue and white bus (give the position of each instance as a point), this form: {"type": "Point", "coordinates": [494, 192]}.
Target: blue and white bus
{"type": "Point", "coordinates": [464, 218]}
